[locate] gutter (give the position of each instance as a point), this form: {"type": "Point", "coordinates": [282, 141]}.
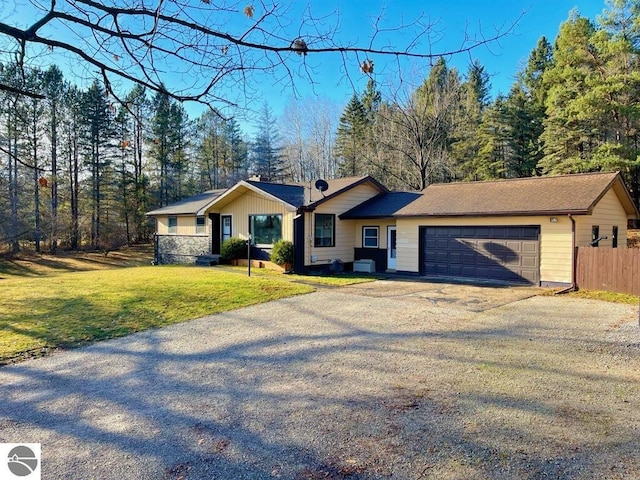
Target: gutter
{"type": "Point", "coordinates": [574, 260]}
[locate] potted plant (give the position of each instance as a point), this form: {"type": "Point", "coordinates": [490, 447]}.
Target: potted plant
{"type": "Point", "coordinates": [282, 254]}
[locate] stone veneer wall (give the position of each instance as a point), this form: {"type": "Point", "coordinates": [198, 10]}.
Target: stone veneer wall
{"type": "Point", "coordinates": [181, 248]}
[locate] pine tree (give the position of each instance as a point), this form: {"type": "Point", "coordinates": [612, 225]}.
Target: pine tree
{"type": "Point", "coordinates": [54, 88]}
{"type": "Point", "coordinates": [138, 107]}
{"type": "Point", "coordinates": [236, 167]}
{"type": "Point", "coordinates": [72, 131]}
{"type": "Point", "coordinates": [31, 116]}
{"type": "Point", "coordinates": [524, 123]}
{"type": "Point", "coordinates": [592, 121]}
{"type": "Point", "coordinates": [465, 143]}
{"type": "Point", "coordinates": [351, 138]}
{"type": "Point", "coordinates": [98, 141]}
{"type": "Point", "coordinates": [266, 151]}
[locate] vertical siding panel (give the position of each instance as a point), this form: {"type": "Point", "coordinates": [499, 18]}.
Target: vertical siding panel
{"type": "Point", "coordinates": [609, 269]}
{"type": "Point", "coordinates": [345, 230]}
{"type": "Point", "coordinates": [606, 214]}
{"type": "Point", "coordinates": [254, 204]}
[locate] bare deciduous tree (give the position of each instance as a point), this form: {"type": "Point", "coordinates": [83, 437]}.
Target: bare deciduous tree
{"type": "Point", "coordinates": [208, 47]}
{"type": "Point", "coordinates": [308, 130]}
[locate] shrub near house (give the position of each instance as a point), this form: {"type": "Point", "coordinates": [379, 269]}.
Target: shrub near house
{"type": "Point", "coordinates": [233, 249]}
{"type": "Point", "coordinates": [282, 254]}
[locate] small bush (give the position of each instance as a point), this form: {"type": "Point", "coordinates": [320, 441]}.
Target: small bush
{"type": "Point", "coordinates": [282, 252]}
{"type": "Point", "coordinates": [233, 249]}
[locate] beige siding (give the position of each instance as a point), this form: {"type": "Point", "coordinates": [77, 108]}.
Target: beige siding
{"type": "Point", "coordinates": [382, 226]}
{"type": "Point", "coordinates": [606, 214]}
{"type": "Point", "coordinates": [252, 203]}
{"type": "Point", "coordinates": [186, 225]}
{"type": "Point", "coordinates": [555, 241]}
{"type": "Point", "coordinates": [345, 229]}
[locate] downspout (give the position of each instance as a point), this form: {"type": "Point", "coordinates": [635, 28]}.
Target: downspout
{"type": "Point", "coordinates": [574, 259]}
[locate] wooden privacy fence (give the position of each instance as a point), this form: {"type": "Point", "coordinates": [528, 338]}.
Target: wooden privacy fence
{"type": "Point", "coordinates": [609, 269]}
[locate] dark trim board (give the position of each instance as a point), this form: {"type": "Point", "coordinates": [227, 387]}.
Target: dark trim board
{"type": "Point", "coordinates": [215, 232]}
{"type": "Point", "coordinates": [508, 253]}
{"type": "Point", "coordinates": [378, 255]}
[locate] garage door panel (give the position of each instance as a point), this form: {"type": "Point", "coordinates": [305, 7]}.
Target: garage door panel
{"type": "Point", "coordinates": [455, 270]}
{"type": "Point", "coordinates": [468, 258]}
{"type": "Point", "coordinates": [468, 271]}
{"type": "Point", "coordinates": [455, 258]}
{"type": "Point", "coordinates": [442, 257]}
{"type": "Point", "coordinates": [499, 253]}
{"type": "Point", "coordinates": [514, 246]}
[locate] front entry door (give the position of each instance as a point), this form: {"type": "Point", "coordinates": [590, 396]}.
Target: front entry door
{"type": "Point", "coordinates": [391, 248]}
{"type": "Point", "coordinates": [226, 227]}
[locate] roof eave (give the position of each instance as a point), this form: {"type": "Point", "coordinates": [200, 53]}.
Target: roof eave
{"type": "Point", "coordinates": [365, 217]}
{"type": "Point", "coordinates": [159, 212]}
{"type": "Point", "coordinates": [253, 188]}
{"type": "Point", "coordinates": [365, 179]}
{"type": "Point", "coordinates": [544, 213]}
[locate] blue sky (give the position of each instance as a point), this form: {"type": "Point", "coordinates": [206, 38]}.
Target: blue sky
{"type": "Point", "coordinates": [453, 19]}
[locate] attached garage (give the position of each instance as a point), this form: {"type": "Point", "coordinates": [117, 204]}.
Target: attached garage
{"type": "Point", "coordinates": [505, 253]}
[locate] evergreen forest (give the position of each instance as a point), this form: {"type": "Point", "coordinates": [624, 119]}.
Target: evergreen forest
{"type": "Point", "coordinates": [79, 168]}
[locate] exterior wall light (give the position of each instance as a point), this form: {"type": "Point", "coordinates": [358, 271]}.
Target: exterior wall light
{"type": "Point", "coordinates": [553, 219]}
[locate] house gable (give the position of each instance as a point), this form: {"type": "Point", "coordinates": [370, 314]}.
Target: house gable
{"type": "Point", "coordinates": [345, 236]}
{"type": "Point", "coordinates": [288, 196]}
{"type": "Point", "coordinates": [605, 214]}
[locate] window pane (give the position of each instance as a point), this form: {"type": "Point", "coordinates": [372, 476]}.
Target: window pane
{"type": "Point", "coordinates": [265, 229]}
{"type": "Point", "coordinates": [370, 242]}
{"type": "Point", "coordinates": [200, 224]}
{"type": "Point", "coordinates": [370, 237]}
{"type": "Point", "coordinates": [226, 227]}
{"type": "Point", "coordinates": [173, 224]}
{"type": "Point", "coordinates": [324, 230]}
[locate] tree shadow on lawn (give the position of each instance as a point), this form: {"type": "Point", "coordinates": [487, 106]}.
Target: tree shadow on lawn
{"type": "Point", "coordinates": [298, 395]}
{"type": "Point", "coordinates": [32, 265]}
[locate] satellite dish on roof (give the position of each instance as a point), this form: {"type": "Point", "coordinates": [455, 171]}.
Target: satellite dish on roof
{"type": "Point", "coordinates": [321, 185]}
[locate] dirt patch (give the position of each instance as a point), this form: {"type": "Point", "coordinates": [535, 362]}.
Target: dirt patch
{"type": "Point", "coordinates": [474, 298]}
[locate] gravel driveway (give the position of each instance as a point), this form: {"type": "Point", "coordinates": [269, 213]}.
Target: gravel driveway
{"type": "Point", "coordinates": [347, 383]}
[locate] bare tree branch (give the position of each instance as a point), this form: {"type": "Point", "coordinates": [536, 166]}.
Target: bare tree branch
{"type": "Point", "coordinates": [20, 91]}
{"type": "Point", "coordinates": [210, 47]}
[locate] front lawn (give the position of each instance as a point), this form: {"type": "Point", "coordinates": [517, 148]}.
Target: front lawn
{"type": "Point", "coordinates": [335, 280]}
{"type": "Point", "coordinates": [69, 309]}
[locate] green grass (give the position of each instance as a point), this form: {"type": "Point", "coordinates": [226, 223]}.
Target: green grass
{"type": "Point", "coordinates": [69, 309]}
{"type": "Point", "coordinates": [337, 280]}
{"type": "Point", "coordinates": [606, 296]}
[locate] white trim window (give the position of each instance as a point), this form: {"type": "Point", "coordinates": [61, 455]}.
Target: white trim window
{"type": "Point", "coordinates": [370, 237]}
{"type": "Point", "coordinates": [172, 225]}
{"type": "Point", "coordinates": [226, 227]}
{"type": "Point", "coordinates": [201, 225]}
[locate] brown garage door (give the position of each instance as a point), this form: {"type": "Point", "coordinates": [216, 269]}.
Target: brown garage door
{"type": "Point", "coordinates": [510, 254]}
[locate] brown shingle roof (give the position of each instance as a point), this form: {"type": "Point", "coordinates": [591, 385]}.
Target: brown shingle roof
{"type": "Point", "coordinates": [576, 194]}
